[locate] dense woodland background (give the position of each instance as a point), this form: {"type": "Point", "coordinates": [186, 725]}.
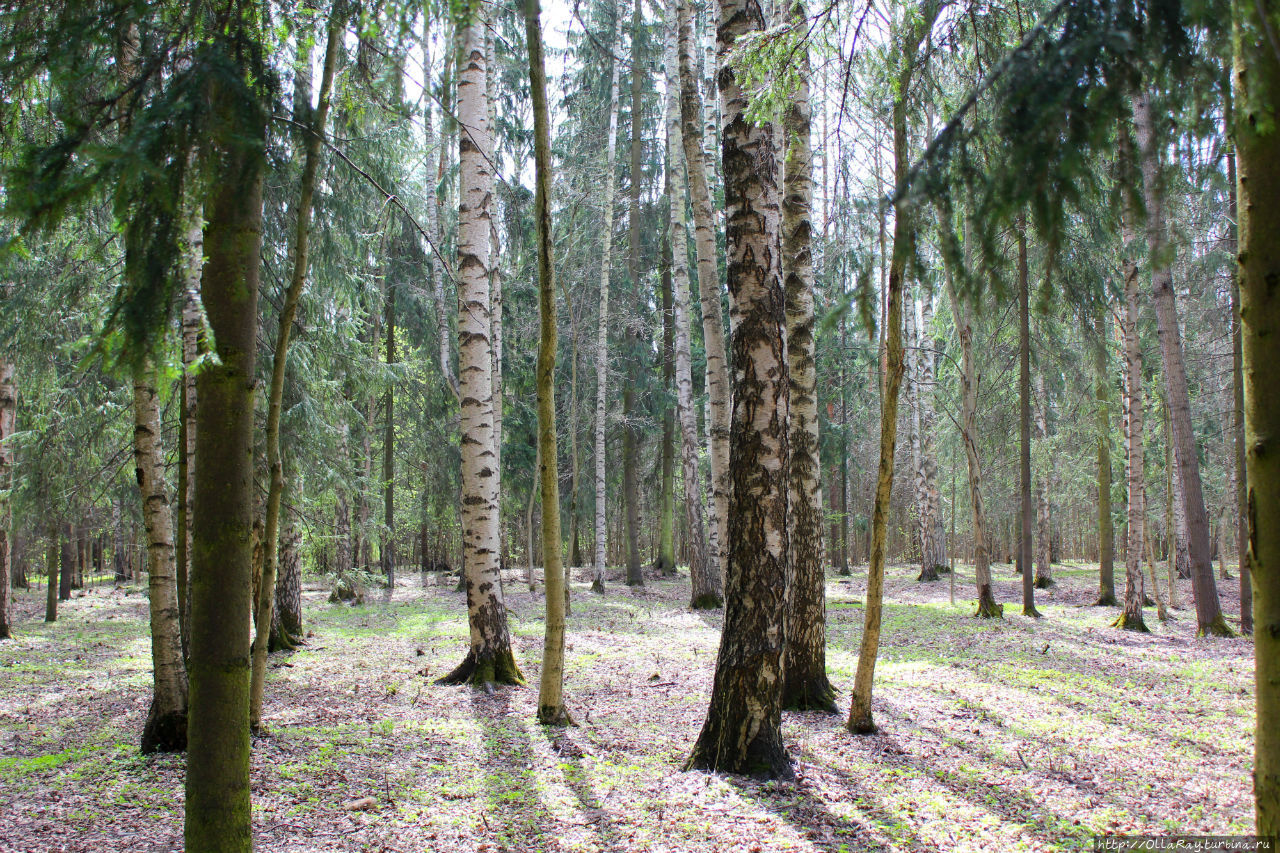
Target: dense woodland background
{"type": "Point", "coordinates": [1006, 239]}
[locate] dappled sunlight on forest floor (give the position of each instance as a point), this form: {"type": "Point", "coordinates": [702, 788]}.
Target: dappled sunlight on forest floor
{"type": "Point", "coordinates": [1012, 735]}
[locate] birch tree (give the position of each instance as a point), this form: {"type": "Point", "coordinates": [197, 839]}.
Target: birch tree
{"type": "Point", "coordinates": [489, 658]}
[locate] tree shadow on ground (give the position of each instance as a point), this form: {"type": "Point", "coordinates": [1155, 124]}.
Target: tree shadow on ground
{"type": "Point", "coordinates": [517, 818]}
{"type": "Point", "coordinates": [802, 805]}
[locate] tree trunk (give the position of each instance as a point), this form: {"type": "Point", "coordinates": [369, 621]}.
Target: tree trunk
{"type": "Point", "coordinates": [217, 782]}
{"type": "Point", "coordinates": [67, 562]}
{"type": "Point", "coordinates": [288, 310]}
{"type": "Point", "coordinates": [718, 389]}
{"type": "Point", "coordinates": [8, 418]}
{"type": "Point", "coordinates": [742, 732]}
{"type": "Point", "coordinates": [987, 606]}
{"type": "Point", "coordinates": [551, 707]}
{"type": "Point", "coordinates": [1241, 496]}
{"type": "Point", "coordinates": [1026, 514]}
{"type": "Point", "coordinates": [490, 657]}
{"type": "Point", "coordinates": [1044, 488]}
{"type": "Point", "coordinates": [1134, 594]}
{"type": "Point", "coordinates": [286, 629]}
{"type": "Point", "coordinates": [703, 581]}
{"type": "Point", "coordinates": [1257, 82]}
{"type": "Point", "coordinates": [630, 492]}
{"type": "Point", "coordinates": [602, 334]}
{"type": "Point", "coordinates": [935, 560]}
{"type": "Point", "coordinates": [51, 576]}
{"type": "Point", "coordinates": [387, 548]}
{"type": "Point", "coordinates": [1106, 525]}
{"type": "Point", "coordinates": [165, 729]}
{"type": "Point", "coordinates": [1209, 619]}
{"type": "Point", "coordinates": [905, 52]}
{"type": "Point", "coordinates": [495, 298]}
{"type": "Point", "coordinates": [194, 346]}
{"type": "Point", "coordinates": [805, 684]}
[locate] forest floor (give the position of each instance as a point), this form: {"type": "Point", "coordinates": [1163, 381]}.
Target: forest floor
{"type": "Point", "coordinates": [995, 735]}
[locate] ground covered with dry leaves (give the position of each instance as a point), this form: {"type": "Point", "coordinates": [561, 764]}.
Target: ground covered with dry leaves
{"type": "Point", "coordinates": [1007, 735]}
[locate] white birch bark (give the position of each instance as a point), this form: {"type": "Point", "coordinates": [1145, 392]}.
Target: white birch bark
{"type": "Point", "coordinates": [602, 331]}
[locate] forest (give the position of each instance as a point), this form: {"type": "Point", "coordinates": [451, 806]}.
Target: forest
{"type": "Point", "coordinates": [684, 425]}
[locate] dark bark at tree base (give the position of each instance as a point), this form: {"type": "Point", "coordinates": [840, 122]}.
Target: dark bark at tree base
{"type": "Point", "coordinates": [1045, 583]}
{"type": "Point", "coordinates": [1130, 622]}
{"type": "Point", "coordinates": [1217, 628]}
{"type": "Point", "coordinates": [549, 715]}
{"type": "Point", "coordinates": [664, 567]}
{"type": "Point", "coordinates": [763, 758]}
{"type": "Point", "coordinates": [860, 722]}
{"type": "Point", "coordinates": [929, 574]}
{"type": "Point", "coordinates": [1106, 599]}
{"type": "Point", "coordinates": [164, 732]}
{"type": "Point", "coordinates": [812, 694]}
{"type": "Point", "coordinates": [707, 601]}
{"type": "Point", "coordinates": [283, 641]}
{"type": "Point", "coordinates": [987, 606]}
{"type": "Point", "coordinates": [1030, 610]}
{"type": "Point", "coordinates": [597, 586]}
{"type": "Point", "coordinates": [499, 668]}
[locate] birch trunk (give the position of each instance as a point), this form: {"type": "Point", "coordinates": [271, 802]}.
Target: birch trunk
{"type": "Point", "coordinates": [805, 683]}
{"type": "Point", "coordinates": [165, 729]}
{"type": "Point", "coordinates": [936, 557]}
{"type": "Point", "coordinates": [1209, 619]}
{"type": "Point", "coordinates": [602, 334]}
{"type": "Point", "coordinates": [742, 732]}
{"type": "Point", "coordinates": [704, 593]}
{"type": "Point", "coordinates": [1131, 616]}
{"type": "Point", "coordinates": [718, 389]}
{"type": "Point", "coordinates": [490, 657]}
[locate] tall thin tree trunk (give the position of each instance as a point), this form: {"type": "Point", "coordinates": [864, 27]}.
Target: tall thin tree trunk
{"type": "Point", "coordinates": [936, 559]}
{"type": "Point", "coordinates": [1134, 594]}
{"type": "Point", "coordinates": [1257, 82]}
{"type": "Point", "coordinates": [217, 782]}
{"type": "Point", "coordinates": [805, 683]}
{"type": "Point", "coordinates": [630, 490]}
{"type": "Point", "coordinates": [1241, 496]}
{"type": "Point", "coordinates": [1209, 619]}
{"type": "Point", "coordinates": [1106, 525]}
{"type": "Point", "coordinates": [8, 420]}
{"type": "Point", "coordinates": [51, 576]}
{"type": "Point", "coordinates": [1044, 490]}
{"type": "Point", "coordinates": [718, 389]}
{"type": "Point", "coordinates": [602, 333]}
{"type": "Point", "coordinates": [1026, 514]}
{"type": "Point", "coordinates": [860, 716]}
{"type": "Point", "coordinates": [705, 593]}
{"type": "Point", "coordinates": [987, 606]}
{"type": "Point", "coordinates": [551, 707]}
{"type": "Point", "coordinates": [288, 310]}
{"type": "Point", "coordinates": [495, 297]}
{"type": "Point", "coordinates": [165, 729]}
{"type": "Point", "coordinates": [742, 732]}
{"type": "Point", "coordinates": [490, 657]}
